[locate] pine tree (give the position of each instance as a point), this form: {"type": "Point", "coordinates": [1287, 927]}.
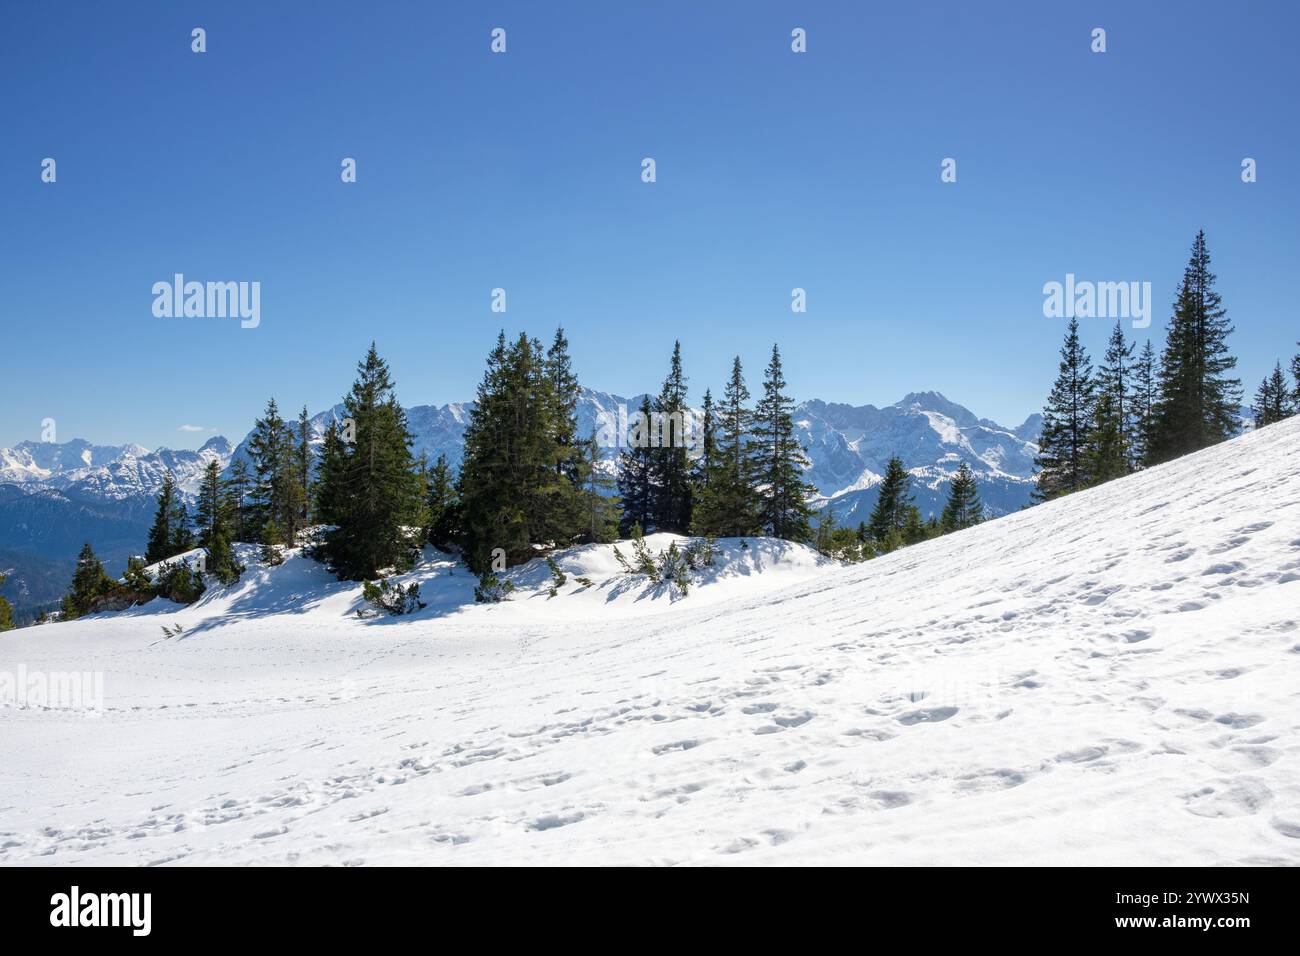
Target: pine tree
{"type": "Point", "coordinates": [636, 489]}
{"type": "Point", "coordinates": [378, 496]}
{"type": "Point", "coordinates": [1198, 403]}
{"type": "Point", "coordinates": [273, 501]}
{"type": "Point", "coordinates": [670, 471]}
{"type": "Point", "coordinates": [783, 508]}
{"type": "Point", "coordinates": [1295, 377]}
{"type": "Point", "coordinates": [728, 505]}
{"type": "Point", "coordinates": [963, 508]}
{"type": "Point", "coordinates": [1115, 399]}
{"type": "Point", "coordinates": [893, 506]}
{"type": "Point", "coordinates": [564, 391]}
{"type": "Point", "coordinates": [1145, 394]}
{"type": "Point", "coordinates": [89, 585]}
{"type": "Point", "coordinates": [441, 503]}
{"type": "Point", "coordinates": [211, 509]}
{"type": "Point", "coordinates": [6, 610]}
{"type": "Point", "coordinates": [237, 487]}
{"type": "Point", "coordinates": [170, 534]}
{"type": "Point", "coordinates": [1063, 447]}
{"type": "Point", "coordinates": [600, 507]}
{"type": "Point", "coordinates": [301, 493]}
{"type": "Point", "coordinates": [1273, 400]}
{"type": "Point", "coordinates": [330, 470]}
{"type": "Point", "coordinates": [707, 456]}
{"type": "Point", "coordinates": [1107, 454]}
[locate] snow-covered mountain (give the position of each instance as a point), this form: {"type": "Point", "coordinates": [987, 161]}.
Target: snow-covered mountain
{"type": "Point", "coordinates": [1105, 679]}
{"type": "Point", "coordinates": [107, 472]}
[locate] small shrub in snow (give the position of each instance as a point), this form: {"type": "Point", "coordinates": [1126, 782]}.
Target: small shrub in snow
{"type": "Point", "coordinates": [643, 560]}
{"type": "Point", "coordinates": [585, 581]}
{"type": "Point", "coordinates": [557, 576]}
{"type": "Point", "coordinates": [393, 598]}
{"type": "Point", "coordinates": [674, 568]}
{"type": "Point", "coordinates": [492, 589]}
{"type": "Point", "coordinates": [700, 552]}
{"type": "Point", "coordinates": [623, 562]}
{"type": "Point", "coordinates": [179, 582]}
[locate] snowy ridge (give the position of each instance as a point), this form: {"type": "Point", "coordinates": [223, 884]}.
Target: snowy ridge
{"type": "Point", "coordinates": [1107, 678]}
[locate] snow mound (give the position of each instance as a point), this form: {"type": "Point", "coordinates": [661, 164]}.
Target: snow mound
{"type": "Point", "coordinates": [1104, 679]}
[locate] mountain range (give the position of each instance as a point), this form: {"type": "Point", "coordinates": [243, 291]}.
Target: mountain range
{"type": "Point", "coordinates": [55, 496]}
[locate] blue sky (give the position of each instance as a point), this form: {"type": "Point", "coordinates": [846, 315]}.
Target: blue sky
{"type": "Point", "coordinates": [522, 171]}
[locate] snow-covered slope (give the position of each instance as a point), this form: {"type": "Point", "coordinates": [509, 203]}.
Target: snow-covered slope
{"type": "Point", "coordinates": [1108, 678]}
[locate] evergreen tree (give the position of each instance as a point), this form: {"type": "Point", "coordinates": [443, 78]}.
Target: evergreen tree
{"type": "Point", "coordinates": [636, 487]}
{"type": "Point", "coordinates": [728, 505]}
{"type": "Point", "coordinates": [707, 456]}
{"type": "Point", "coordinates": [378, 496]}
{"type": "Point", "coordinates": [564, 391]}
{"type": "Point", "coordinates": [914, 529]}
{"type": "Point", "coordinates": [963, 508]}
{"type": "Point", "coordinates": [518, 485]}
{"type": "Point", "coordinates": [170, 533]}
{"type": "Point", "coordinates": [1063, 447]}
{"type": "Point", "coordinates": [212, 508]}
{"type": "Point", "coordinates": [1115, 399]}
{"type": "Point", "coordinates": [89, 585]}
{"type": "Point", "coordinates": [330, 471]}
{"type": "Point", "coordinates": [893, 506]}
{"type": "Point", "coordinates": [670, 471]}
{"type": "Point", "coordinates": [6, 610]}
{"type": "Point", "coordinates": [783, 504]}
{"type": "Point", "coordinates": [301, 492]}
{"type": "Point", "coordinates": [601, 507]}
{"type": "Point", "coordinates": [1145, 394]}
{"type": "Point", "coordinates": [1273, 400]}
{"type": "Point", "coordinates": [1198, 404]}
{"type": "Point", "coordinates": [273, 500]}
{"type": "Point", "coordinates": [1107, 454]}
{"type": "Point", "coordinates": [1295, 377]}
{"type": "Point", "coordinates": [237, 487]}
{"type": "Point", "coordinates": [441, 503]}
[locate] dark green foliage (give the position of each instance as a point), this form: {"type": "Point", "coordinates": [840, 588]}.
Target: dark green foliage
{"type": "Point", "coordinates": [91, 590]}
{"type": "Point", "coordinates": [518, 484]}
{"type": "Point", "coordinates": [441, 503]}
{"type": "Point", "coordinates": [1145, 396]}
{"type": "Point", "coordinates": [893, 507]}
{"type": "Point", "coordinates": [783, 510]}
{"type": "Point", "coordinates": [558, 577]}
{"type": "Point", "coordinates": [601, 509]}
{"type": "Point", "coordinates": [377, 496]}
{"type": "Point", "coordinates": [237, 487]}
{"type": "Point", "coordinates": [179, 582]}
{"type": "Point", "coordinates": [1295, 378]}
{"type": "Point", "coordinates": [301, 485]}
{"type": "Point", "coordinates": [636, 488]}
{"type": "Point", "coordinates": [963, 508]}
{"type": "Point", "coordinates": [170, 533]}
{"type": "Point", "coordinates": [492, 589]}
{"type": "Point", "coordinates": [1273, 400]}
{"type": "Point", "coordinates": [272, 553]}
{"type": "Point", "coordinates": [669, 456]}
{"type": "Point", "coordinates": [727, 505]}
{"type": "Point", "coordinates": [278, 495]}
{"type": "Point", "coordinates": [6, 610]}
{"type": "Point", "coordinates": [1198, 400]}
{"type": "Point", "coordinates": [392, 598]}
{"type": "Point", "coordinates": [136, 577]}
{"type": "Point", "coordinates": [1063, 448]}
{"type": "Point", "coordinates": [1114, 411]}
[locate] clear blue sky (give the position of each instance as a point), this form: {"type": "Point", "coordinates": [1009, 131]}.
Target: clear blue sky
{"type": "Point", "coordinates": [522, 171]}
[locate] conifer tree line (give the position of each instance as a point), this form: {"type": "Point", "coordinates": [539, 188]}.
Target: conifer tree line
{"type": "Point", "coordinates": [1137, 409]}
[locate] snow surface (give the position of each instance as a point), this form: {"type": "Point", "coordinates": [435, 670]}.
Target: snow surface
{"type": "Point", "coordinates": [1111, 678]}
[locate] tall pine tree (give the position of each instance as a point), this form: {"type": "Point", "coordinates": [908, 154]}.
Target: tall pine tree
{"type": "Point", "coordinates": [894, 505]}
{"type": "Point", "coordinates": [783, 509]}
{"type": "Point", "coordinates": [170, 532]}
{"type": "Point", "coordinates": [670, 466]}
{"type": "Point", "coordinates": [1273, 400]}
{"type": "Point", "coordinates": [1145, 395]}
{"type": "Point", "coordinates": [1064, 456]}
{"type": "Point", "coordinates": [963, 508]}
{"type": "Point", "coordinates": [636, 489]}
{"type": "Point", "coordinates": [1115, 402]}
{"type": "Point", "coordinates": [1199, 402]}
{"type": "Point", "coordinates": [377, 498]}
{"type": "Point", "coordinates": [728, 506]}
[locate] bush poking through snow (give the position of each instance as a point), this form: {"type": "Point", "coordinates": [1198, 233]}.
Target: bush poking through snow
{"type": "Point", "coordinates": [392, 598]}
{"type": "Point", "coordinates": [492, 589]}
{"type": "Point", "coordinates": [179, 582]}
{"type": "Point", "coordinates": [557, 576]}
{"type": "Point", "coordinates": [643, 560]}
